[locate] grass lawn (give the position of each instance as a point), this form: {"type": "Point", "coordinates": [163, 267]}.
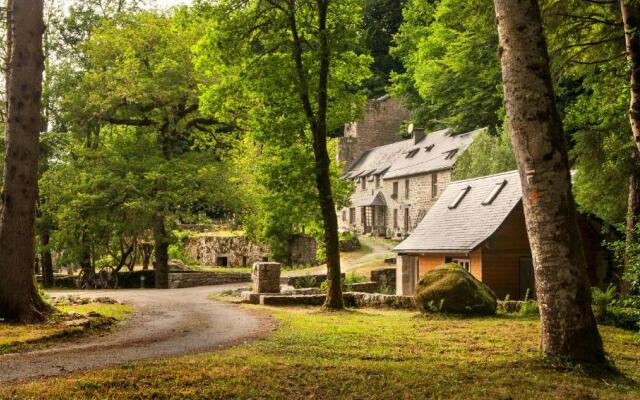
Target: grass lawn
{"type": "Point", "coordinates": [365, 354]}
{"type": "Point", "coordinates": [14, 337]}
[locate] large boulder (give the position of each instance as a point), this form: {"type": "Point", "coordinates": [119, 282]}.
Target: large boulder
{"type": "Point", "coordinates": [451, 289]}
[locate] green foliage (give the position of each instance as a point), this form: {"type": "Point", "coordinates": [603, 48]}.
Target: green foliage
{"type": "Point", "coordinates": [177, 248]}
{"type": "Point", "coordinates": [529, 308]}
{"type": "Point", "coordinates": [354, 277]}
{"type": "Point", "coordinates": [602, 299]}
{"type": "Point", "coordinates": [620, 250]}
{"type": "Point", "coordinates": [488, 154]}
{"type": "Point", "coordinates": [246, 55]}
{"type": "Point", "coordinates": [381, 20]}
{"type": "Point", "coordinates": [452, 76]}
{"type": "Point", "coordinates": [308, 281]}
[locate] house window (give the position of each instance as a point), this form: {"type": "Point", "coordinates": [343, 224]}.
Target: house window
{"type": "Point", "coordinates": [395, 218]}
{"type": "Point", "coordinates": [377, 181]}
{"type": "Point", "coordinates": [412, 153]}
{"type": "Point", "coordinates": [459, 197]}
{"type": "Point", "coordinates": [395, 190]}
{"type": "Point", "coordinates": [450, 154]}
{"type": "Point", "coordinates": [406, 189]}
{"type": "Point", "coordinates": [363, 182]}
{"type": "Point", "coordinates": [406, 219]}
{"type": "Point", "coordinates": [344, 216]}
{"type": "Point", "coordinates": [434, 185]}
{"type": "Point", "coordinates": [352, 215]}
{"type": "Point", "coordinates": [494, 193]}
{"type": "Point", "coordinates": [465, 263]}
{"type": "Point", "coordinates": [380, 216]}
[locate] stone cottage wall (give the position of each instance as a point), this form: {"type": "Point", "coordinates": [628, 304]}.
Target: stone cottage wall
{"type": "Point", "coordinates": [302, 250]}
{"type": "Point", "coordinates": [419, 202]}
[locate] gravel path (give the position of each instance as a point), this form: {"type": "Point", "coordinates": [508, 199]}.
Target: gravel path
{"type": "Point", "coordinates": [165, 323]}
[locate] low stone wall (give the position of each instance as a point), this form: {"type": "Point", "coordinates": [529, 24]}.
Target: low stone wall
{"type": "Point", "coordinates": [351, 299]}
{"type": "Point", "coordinates": [364, 287]}
{"type": "Point", "coordinates": [307, 280]}
{"type": "Point", "coordinates": [376, 300]}
{"type": "Point", "coordinates": [193, 279]}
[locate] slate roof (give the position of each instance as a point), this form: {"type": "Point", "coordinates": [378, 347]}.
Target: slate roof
{"type": "Point", "coordinates": [377, 200]}
{"type": "Point", "coordinates": [463, 228]}
{"type": "Point", "coordinates": [432, 154]}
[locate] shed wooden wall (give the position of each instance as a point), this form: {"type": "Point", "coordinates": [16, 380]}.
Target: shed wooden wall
{"type": "Point", "coordinates": [497, 261]}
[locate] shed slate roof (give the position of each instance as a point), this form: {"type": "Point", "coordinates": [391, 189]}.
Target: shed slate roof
{"type": "Point", "coordinates": [463, 228]}
{"type": "Point", "coordinates": [432, 155]}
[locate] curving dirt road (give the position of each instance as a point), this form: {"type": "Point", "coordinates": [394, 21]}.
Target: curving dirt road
{"type": "Point", "coordinates": [164, 323]}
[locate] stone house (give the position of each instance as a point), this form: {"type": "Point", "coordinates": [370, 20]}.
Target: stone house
{"type": "Point", "coordinates": [397, 183]}
{"type": "Point", "coordinates": [479, 223]}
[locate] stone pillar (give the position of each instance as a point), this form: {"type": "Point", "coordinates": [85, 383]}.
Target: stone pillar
{"type": "Point", "coordinates": [406, 274]}
{"type": "Point", "coordinates": [266, 277]}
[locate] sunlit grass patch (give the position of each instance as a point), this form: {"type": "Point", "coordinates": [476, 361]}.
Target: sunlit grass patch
{"type": "Point", "coordinates": [365, 354]}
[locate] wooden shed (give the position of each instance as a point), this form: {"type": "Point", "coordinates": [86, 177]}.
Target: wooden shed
{"type": "Point", "coordinates": [479, 223]}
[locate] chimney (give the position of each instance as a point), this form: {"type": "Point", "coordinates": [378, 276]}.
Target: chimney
{"type": "Point", "coordinates": [418, 135]}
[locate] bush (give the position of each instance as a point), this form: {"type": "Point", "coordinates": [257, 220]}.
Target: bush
{"type": "Point", "coordinates": [306, 281]}
{"type": "Point", "coordinates": [529, 308]}
{"type": "Point", "coordinates": [353, 278]}
{"type": "Point", "coordinates": [451, 289]}
{"type": "Point", "coordinates": [625, 318]}
{"type": "Point", "coordinates": [601, 300]}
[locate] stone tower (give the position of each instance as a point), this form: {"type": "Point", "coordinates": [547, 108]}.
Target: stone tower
{"type": "Point", "coordinates": [380, 125]}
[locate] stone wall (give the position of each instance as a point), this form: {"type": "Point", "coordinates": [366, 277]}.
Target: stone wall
{"type": "Point", "coordinates": [192, 279]}
{"type": "Point", "coordinates": [384, 276]}
{"type": "Point", "coordinates": [418, 202]}
{"type": "Point", "coordinates": [381, 124]}
{"type": "Point", "coordinates": [302, 250]}
{"type": "Point", "coordinates": [239, 251]}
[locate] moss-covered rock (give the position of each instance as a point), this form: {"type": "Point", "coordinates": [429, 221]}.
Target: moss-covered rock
{"type": "Point", "coordinates": [451, 289]}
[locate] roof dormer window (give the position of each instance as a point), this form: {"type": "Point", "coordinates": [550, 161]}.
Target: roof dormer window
{"type": "Point", "coordinates": [456, 202]}
{"type": "Point", "coordinates": [494, 193]}
{"type": "Point", "coordinates": [450, 154]}
{"type": "Point", "coordinates": [412, 153]}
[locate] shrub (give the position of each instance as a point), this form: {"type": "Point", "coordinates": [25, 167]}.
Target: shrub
{"type": "Point", "coordinates": [601, 299]}
{"type": "Point", "coordinates": [306, 281]}
{"type": "Point", "coordinates": [625, 318]}
{"type": "Point", "coordinates": [451, 289]}
{"type": "Point", "coordinates": [529, 307]}
{"type": "Point", "coordinates": [353, 277]}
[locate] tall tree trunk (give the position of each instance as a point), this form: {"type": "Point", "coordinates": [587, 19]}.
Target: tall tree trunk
{"type": "Point", "coordinates": [318, 123]}
{"type": "Point", "coordinates": [19, 298]}
{"type": "Point", "coordinates": [569, 328]}
{"type": "Point", "coordinates": [161, 239]}
{"type": "Point", "coordinates": [633, 218]}
{"type": "Point", "coordinates": [46, 261]}
{"type": "Point", "coordinates": [631, 20]}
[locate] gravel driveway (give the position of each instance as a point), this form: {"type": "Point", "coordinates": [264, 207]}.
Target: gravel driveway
{"type": "Point", "coordinates": [165, 323]}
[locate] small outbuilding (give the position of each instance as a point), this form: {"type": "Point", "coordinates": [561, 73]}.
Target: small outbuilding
{"type": "Point", "coordinates": [479, 224]}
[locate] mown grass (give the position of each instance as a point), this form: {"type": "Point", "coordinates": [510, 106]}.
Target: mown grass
{"type": "Point", "coordinates": [367, 354]}
{"type": "Point", "coordinates": [17, 337]}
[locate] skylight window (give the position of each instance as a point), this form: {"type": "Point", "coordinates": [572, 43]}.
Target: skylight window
{"type": "Point", "coordinates": [412, 153]}
{"type": "Point", "coordinates": [429, 147]}
{"type": "Point", "coordinates": [494, 193]}
{"type": "Point", "coordinates": [450, 154]}
{"type": "Point", "coordinates": [459, 197]}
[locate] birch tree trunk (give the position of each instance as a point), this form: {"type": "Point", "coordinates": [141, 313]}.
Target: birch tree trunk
{"type": "Point", "coordinates": [19, 298]}
{"type": "Point", "coordinates": [568, 326]}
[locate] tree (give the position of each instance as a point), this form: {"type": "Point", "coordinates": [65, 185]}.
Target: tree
{"type": "Point", "coordinates": [452, 76]}
{"type": "Point", "coordinates": [568, 325]}
{"type": "Point", "coordinates": [19, 297]}
{"type": "Point", "coordinates": [488, 154]}
{"type": "Point", "coordinates": [381, 20]}
{"type": "Point", "coordinates": [291, 66]}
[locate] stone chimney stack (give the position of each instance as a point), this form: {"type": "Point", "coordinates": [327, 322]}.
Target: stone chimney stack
{"type": "Point", "coordinates": [418, 135]}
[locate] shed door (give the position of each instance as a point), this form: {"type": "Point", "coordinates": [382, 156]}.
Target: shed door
{"type": "Point", "coordinates": [527, 281]}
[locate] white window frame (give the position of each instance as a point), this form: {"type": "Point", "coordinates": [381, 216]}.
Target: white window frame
{"type": "Point", "coordinates": [465, 263]}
